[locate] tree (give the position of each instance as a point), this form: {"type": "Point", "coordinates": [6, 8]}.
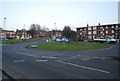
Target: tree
{"type": "Point", "coordinates": [44, 28]}
{"type": "Point", "coordinates": [38, 27]}
{"type": "Point", "coordinates": [16, 33]}
{"type": "Point", "coordinates": [34, 30]}
{"type": "Point", "coordinates": [73, 35]}
{"type": "Point", "coordinates": [67, 32]}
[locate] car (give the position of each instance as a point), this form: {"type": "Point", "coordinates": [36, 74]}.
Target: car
{"type": "Point", "coordinates": [65, 39]}
{"type": "Point", "coordinates": [59, 40]}
{"type": "Point", "coordinates": [108, 39]}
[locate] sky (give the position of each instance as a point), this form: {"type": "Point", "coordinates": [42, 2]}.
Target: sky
{"type": "Point", "coordinates": [69, 13]}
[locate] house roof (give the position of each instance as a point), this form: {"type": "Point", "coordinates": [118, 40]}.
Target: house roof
{"type": "Point", "coordinates": [100, 25]}
{"type": "Point", "coordinates": [7, 31]}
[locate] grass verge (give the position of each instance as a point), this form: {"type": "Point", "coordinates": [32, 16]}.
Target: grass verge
{"type": "Point", "coordinates": [13, 41]}
{"type": "Point", "coordinates": [72, 46]}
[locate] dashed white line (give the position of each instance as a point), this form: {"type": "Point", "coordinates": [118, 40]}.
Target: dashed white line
{"type": "Point", "coordinates": [41, 60]}
{"type": "Point", "coordinates": [83, 67]}
{"type": "Point", "coordinates": [18, 60]}
{"type": "Point", "coordinates": [26, 54]}
{"type": "Point", "coordinates": [85, 59]}
{"type": "Point", "coordinates": [103, 58]}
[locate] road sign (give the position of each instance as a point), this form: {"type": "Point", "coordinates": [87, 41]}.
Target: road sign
{"type": "Point", "coordinates": [33, 45]}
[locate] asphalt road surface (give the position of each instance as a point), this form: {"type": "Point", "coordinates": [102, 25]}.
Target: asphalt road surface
{"type": "Point", "coordinates": [22, 63]}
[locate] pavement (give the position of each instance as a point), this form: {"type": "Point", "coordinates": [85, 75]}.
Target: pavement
{"type": "Point", "coordinates": [22, 63]}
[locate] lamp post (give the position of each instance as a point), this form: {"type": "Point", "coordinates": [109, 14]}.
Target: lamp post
{"type": "Point", "coordinates": [4, 23]}
{"type": "Point", "coordinates": [55, 26]}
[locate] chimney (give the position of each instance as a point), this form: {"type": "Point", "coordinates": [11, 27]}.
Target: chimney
{"type": "Point", "coordinates": [87, 25]}
{"type": "Point", "coordinates": [99, 24]}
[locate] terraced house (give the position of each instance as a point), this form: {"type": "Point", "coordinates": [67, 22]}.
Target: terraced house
{"type": "Point", "coordinates": [100, 31]}
{"type": "Point", "coordinates": [7, 34]}
{"type": "Point", "coordinates": [23, 34]}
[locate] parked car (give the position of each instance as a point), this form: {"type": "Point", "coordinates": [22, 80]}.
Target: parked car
{"type": "Point", "coordinates": [108, 39]}
{"type": "Point", "coordinates": [62, 39]}
{"type": "Point", "coordinates": [65, 39]}
{"type": "Point", "coordinates": [58, 40]}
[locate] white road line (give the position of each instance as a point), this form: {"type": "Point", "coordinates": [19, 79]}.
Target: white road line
{"type": "Point", "coordinates": [84, 67]}
{"type": "Point", "coordinates": [18, 60]}
{"type": "Point", "coordinates": [103, 58]}
{"type": "Point", "coordinates": [34, 55]}
{"type": "Point", "coordinates": [26, 54]}
{"type": "Point", "coordinates": [41, 60]}
{"type": "Point", "coordinates": [85, 59]}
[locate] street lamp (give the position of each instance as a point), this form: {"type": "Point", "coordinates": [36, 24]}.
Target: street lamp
{"type": "Point", "coordinates": [4, 23]}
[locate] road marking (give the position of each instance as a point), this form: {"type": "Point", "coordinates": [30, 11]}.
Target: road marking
{"type": "Point", "coordinates": [103, 58]}
{"type": "Point", "coordinates": [18, 60]}
{"type": "Point", "coordinates": [85, 59]}
{"type": "Point", "coordinates": [41, 60]}
{"type": "Point", "coordinates": [48, 57]}
{"type": "Point", "coordinates": [96, 57]}
{"type": "Point", "coordinates": [35, 55]}
{"type": "Point", "coordinates": [83, 67]}
{"type": "Point", "coordinates": [26, 54]}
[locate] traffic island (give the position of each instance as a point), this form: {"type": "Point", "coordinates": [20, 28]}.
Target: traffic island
{"type": "Point", "coordinates": [72, 46]}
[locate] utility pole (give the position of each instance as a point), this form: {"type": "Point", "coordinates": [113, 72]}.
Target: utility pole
{"type": "Point", "coordinates": [4, 22]}
{"type": "Point", "coordinates": [24, 27]}
{"type": "Point", "coordinates": [55, 26]}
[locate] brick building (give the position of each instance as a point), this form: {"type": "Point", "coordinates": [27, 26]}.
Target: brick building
{"type": "Point", "coordinates": [42, 33]}
{"type": "Point", "coordinates": [7, 34]}
{"type": "Point", "coordinates": [91, 32]}
{"type": "Point", "coordinates": [23, 34]}
{"type": "Point", "coordinates": [55, 33]}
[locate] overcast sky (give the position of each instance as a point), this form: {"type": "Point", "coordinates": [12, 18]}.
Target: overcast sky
{"type": "Point", "coordinates": [74, 14]}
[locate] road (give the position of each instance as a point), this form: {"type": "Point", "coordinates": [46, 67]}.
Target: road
{"type": "Point", "coordinates": [22, 63]}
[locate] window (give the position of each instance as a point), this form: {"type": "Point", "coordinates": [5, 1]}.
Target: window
{"type": "Point", "coordinates": [101, 28]}
{"type": "Point", "coordinates": [11, 32]}
{"type": "Point", "coordinates": [80, 33]}
{"type": "Point", "coordinates": [80, 29]}
{"type": "Point", "coordinates": [106, 32]}
{"type": "Point", "coordinates": [112, 26]}
{"type": "Point", "coordinates": [89, 28]}
{"type": "Point", "coordinates": [94, 28]}
{"type": "Point", "coordinates": [106, 27]}
{"type": "Point", "coordinates": [112, 31]}
{"type": "Point", "coordinates": [94, 32]}
{"type": "Point", "coordinates": [89, 37]}
{"type": "Point", "coordinates": [89, 32]}
{"type": "Point", "coordinates": [84, 29]}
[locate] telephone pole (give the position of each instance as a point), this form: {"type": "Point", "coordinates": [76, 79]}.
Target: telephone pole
{"type": "Point", "coordinates": [4, 22]}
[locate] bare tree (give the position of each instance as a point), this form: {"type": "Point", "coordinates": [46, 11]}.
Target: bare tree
{"type": "Point", "coordinates": [68, 33]}
{"type": "Point", "coordinates": [44, 28]}
{"type": "Point", "coordinates": [34, 30]}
